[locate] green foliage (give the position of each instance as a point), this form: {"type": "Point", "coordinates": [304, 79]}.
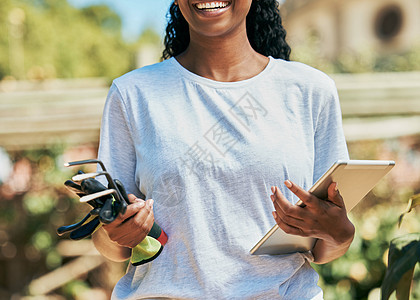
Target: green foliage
{"type": "Point", "coordinates": [364, 61]}
{"type": "Point", "coordinates": [29, 219]}
{"type": "Point", "coordinates": [38, 204]}
{"type": "Point", "coordinates": [412, 202]}
{"type": "Point", "coordinates": [104, 17]}
{"type": "Point", "coordinates": [42, 240]}
{"type": "Point", "coordinates": [76, 287]}
{"type": "Point", "coordinates": [59, 40]}
{"type": "Point", "coordinates": [5, 8]}
{"type": "Point", "coordinates": [404, 254]}
{"type": "Point", "coordinates": [360, 272]}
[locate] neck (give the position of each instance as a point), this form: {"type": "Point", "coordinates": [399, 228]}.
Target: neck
{"type": "Point", "coordinates": [221, 58]}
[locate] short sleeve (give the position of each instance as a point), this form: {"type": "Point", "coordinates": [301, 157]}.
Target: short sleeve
{"type": "Point", "coordinates": [117, 147]}
{"type": "Point", "coordinates": [329, 140]}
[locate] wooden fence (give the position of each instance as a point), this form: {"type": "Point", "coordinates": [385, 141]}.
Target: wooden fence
{"type": "Point", "coordinates": [64, 111]}
{"type": "Point", "coordinates": [379, 106]}
{"type": "Point", "coordinates": [375, 106]}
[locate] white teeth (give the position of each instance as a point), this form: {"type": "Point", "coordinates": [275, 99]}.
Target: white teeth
{"type": "Point", "coordinates": [211, 5]}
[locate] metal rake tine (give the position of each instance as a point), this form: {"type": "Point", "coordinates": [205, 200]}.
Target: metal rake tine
{"type": "Point", "coordinates": [80, 177]}
{"type": "Point", "coordinates": [84, 162]}
{"type": "Point", "coordinates": [84, 176]}
{"type": "Point", "coordinates": [94, 196]}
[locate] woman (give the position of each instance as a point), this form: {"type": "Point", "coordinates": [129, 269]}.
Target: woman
{"type": "Point", "coordinates": [206, 134]}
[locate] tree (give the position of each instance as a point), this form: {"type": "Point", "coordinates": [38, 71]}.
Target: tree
{"type": "Point", "coordinates": [62, 41]}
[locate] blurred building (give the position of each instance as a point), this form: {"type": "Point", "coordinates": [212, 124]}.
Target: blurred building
{"type": "Point", "coordinates": [334, 26]}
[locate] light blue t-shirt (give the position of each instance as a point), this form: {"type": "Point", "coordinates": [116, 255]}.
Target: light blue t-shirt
{"type": "Point", "coordinates": [208, 152]}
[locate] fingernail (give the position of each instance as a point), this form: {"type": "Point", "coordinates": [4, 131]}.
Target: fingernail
{"type": "Point", "coordinates": [274, 214]}
{"type": "Point", "coordinates": [273, 189]}
{"type": "Point", "coordinates": [140, 204]}
{"type": "Point", "coordinates": [288, 183]}
{"type": "Point", "coordinates": [151, 203]}
{"type": "Point", "coordinates": [336, 187]}
{"type": "Point", "coordinates": [272, 198]}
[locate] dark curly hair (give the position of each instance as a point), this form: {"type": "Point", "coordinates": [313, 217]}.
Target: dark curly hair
{"type": "Point", "coordinates": [264, 29]}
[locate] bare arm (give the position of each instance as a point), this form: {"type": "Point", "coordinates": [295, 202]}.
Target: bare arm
{"type": "Point", "coordinates": [325, 220]}
{"type": "Point", "coordinates": [115, 240]}
{"type": "Point", "coordinates": [108, 248]}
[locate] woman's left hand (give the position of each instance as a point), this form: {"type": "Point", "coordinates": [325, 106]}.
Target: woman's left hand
{"type": "Point", "coordinates": [325, 220]}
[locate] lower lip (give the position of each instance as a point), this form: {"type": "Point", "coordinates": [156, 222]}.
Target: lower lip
{"type": "Point", "coordinates": [212, 13]}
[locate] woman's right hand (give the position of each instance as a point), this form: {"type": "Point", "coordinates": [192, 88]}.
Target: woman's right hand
{"type": "Point", "coordinates": [130, 228]}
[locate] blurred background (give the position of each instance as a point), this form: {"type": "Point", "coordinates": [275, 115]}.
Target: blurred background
{"type": "Point", "coordinates": [57, 60]}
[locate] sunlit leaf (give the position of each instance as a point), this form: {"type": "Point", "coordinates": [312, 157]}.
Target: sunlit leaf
{"type": "Point", "coordinates": [404, 254]}
{"type": "Point", "coordinates": [412, 202]}
{"type": "Point", "coordinates": [404, 286]}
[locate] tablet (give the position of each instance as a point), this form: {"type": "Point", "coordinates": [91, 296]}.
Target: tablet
{"type": "Point", "coordinates": [355, 178]}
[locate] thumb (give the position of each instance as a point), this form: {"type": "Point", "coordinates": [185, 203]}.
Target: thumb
{"type": "Point", "coordinates": [334, 195]}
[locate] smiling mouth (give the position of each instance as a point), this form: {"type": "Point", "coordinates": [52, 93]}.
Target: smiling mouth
{"type": "Point", "coordinates": [211, 6]}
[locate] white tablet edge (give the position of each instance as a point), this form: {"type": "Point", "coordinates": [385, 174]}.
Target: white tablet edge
{"type": "Point", "coordinates": [385, 163]}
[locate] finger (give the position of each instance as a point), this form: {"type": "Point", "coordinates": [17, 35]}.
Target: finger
{"type": "Point", "coordinates": [133, 199]}
{"type": "Point", "coordinates": [132, 238]}
{"type": "Point", "coordinates": [334, 195]}
{"type": "Point", "coordinates": [306, 197]}
{"type": "Point", "coordinates": [292, 221]}
{"type": "Point", "coordinates": [137, 219]}
{"type": "Point", "coordinates": [286, 211]}
{"type": "Point", "coordinates": [142, 218]}
{"type": "Point", "coordinates": [282, 204]}
{"type": "Point", "coordinates": [287, 228]}
{"type": "Point", "coordinates": [132, 209]}
{"type": "Point", "coordinates": [279, 201]}
{"type": "Point", "coordinates": [149, 222]}
{"type": "Point", "coordinates": [135, 230]}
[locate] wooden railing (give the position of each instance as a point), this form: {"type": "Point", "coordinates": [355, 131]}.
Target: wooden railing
{"type": "Point", "coordinates": [374, 106]}
{"type": "Point", "coordinates": [61, 111]}
{"type": "Point", "coordinates": [379, 106]}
